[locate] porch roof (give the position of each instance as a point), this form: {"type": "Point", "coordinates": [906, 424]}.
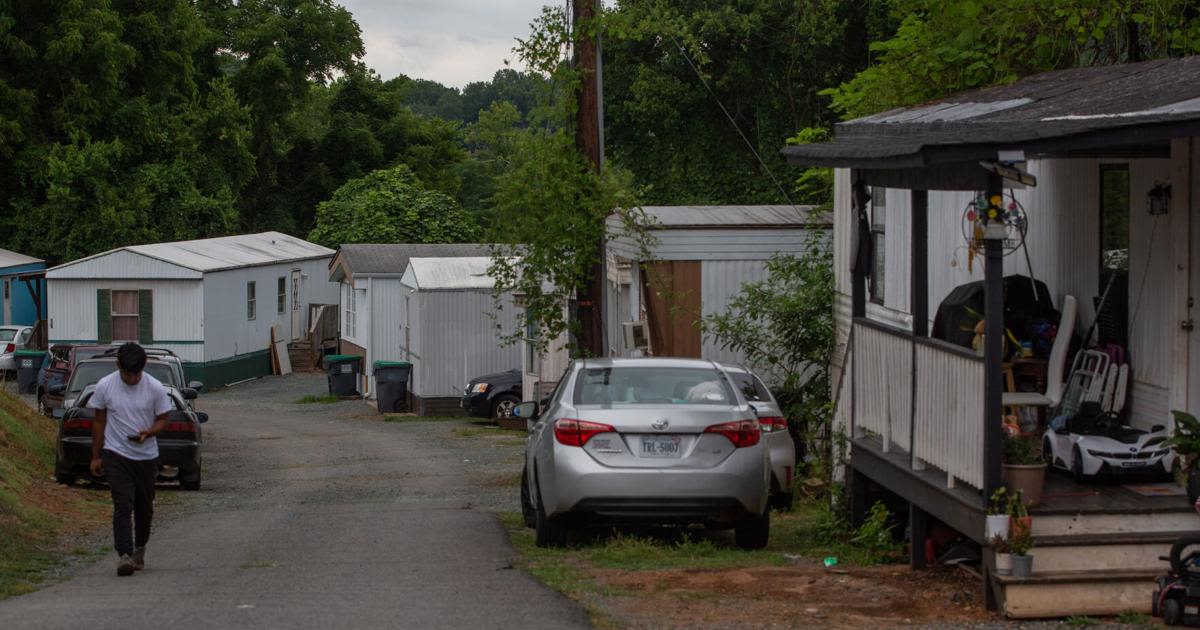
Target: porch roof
{"type": "Point", "coordinates": [1096, 109]}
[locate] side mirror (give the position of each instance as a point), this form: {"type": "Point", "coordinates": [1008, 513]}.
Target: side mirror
{"type": "Point", "coordinates": [201, 417]}
{"type": "Point", "coordinates": [57, 390]}
{"type": "Point", "coordinates": [527, 410]}
{"type": "Point", "coordinates": [196, 385]}
{"type": "Point", "coordinates": [188, 393]}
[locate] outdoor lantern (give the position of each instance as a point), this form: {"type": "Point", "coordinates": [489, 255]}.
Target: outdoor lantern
{"type": "Point", "coordinates": [1158, 200]}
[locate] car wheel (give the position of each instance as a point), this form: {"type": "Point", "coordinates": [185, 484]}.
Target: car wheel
{"type": "Point", "coordinates": [66, 479]}
{"type": "Point", "coordinates": [189, 483]}
{"type": "Point", "coordinates": [548, 531]}
{"type": "Point", "coordinates": [528, 512]}
{"type": "Point", "coordinates": [752, 532]}
{"type": "Point", "coordinates": [782, 501]}
{"type": "Point", "coordinates": [1077, 465]}
{"type": "Point", "coordinates": [1047, 452]}
{"type": "Point", "coordinates": [1172, 613]}
{"type": "Point", "coordinates": [503, 406]}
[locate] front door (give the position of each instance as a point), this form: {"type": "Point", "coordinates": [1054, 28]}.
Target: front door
{"type": "Point", "coordinates": [1193, 405]}
{"type": "Point", "coordinates": [297, 307]}
{"type": "Point", "coordinates": [7, 315]}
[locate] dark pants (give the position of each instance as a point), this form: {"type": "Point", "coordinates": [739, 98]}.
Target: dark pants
{"type": "Point", "coordinates": [132, 485]}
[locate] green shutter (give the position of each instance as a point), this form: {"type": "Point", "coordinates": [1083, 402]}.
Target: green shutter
{"type": "Point", "coordinates": [104, 315]}
{"type": "Point", "coordinates": [145, 317]}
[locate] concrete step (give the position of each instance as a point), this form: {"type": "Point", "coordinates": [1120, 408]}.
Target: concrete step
{"type": "Point", "coordinates": [1070, 593]}
{"type": "Point", "coordinates": [1095, 552]}
{"type": "Point", "coordinates": [1165, 521]}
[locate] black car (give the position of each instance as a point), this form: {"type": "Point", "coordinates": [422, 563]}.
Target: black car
{"type": "Point", "coordinates": [493, 395]}
{"type": "Point", "coordinates": [178, 446]}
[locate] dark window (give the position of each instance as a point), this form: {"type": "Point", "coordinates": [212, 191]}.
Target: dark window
{"type": "Point", "coordinates": [282, 295]}
{"type": "Point", "coordinates": [251, 306]}
{"type": "Point", "coordinates": [752, 388]}
{"type": "Point", "coordinates": [878, 232]}
{"type": "Point", "coordinates": [1113, 316]}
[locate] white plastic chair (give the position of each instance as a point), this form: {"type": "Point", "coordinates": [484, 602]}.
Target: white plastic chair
{"type": "Point", "coordinates": [1054, 367]}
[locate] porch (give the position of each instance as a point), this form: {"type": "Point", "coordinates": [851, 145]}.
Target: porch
{"type": "Point", "coordinates": [923, 417]}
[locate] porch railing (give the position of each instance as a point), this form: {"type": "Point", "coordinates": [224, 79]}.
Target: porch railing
{"type": "Point", "coordinates": [922, 396]}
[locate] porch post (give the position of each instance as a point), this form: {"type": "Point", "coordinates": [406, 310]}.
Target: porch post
{"type": "Point", "coordinates": [919, 303]}
{"type": "Point", "coordinates": [863, 248]}
{"type": "Point", "coordinates": [993, 283]}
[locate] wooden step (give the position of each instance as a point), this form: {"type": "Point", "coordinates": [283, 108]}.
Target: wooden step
{"type": "Point", "coordinates": [1070, 593]}
{"type": "Point", "coordinates": [1158, 522]}
{"type": "Point", "coordinates": [1140, 551]}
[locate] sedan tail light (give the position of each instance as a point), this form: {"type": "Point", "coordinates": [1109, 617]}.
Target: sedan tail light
{"type": "Point", "coordinates": [771, 424]}
{"type": "Point", "coordinates": [742, 433]}
{"type": "Point", "coordinates": [577, 432]}
{"type": "Point", "coordinates": [181, 427]}
{"type": "Point", "coordinates": [78, 424]}
{"type": "Point", "coordinates": [9, 348]}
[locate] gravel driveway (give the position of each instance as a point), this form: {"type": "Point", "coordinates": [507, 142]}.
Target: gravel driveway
{"type": "Point", "coordinates": [317, 516]}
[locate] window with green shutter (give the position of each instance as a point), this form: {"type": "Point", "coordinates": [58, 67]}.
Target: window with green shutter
{"type": "Point", "coordinates": [145, 317]}
{"type": "Point", "coordinates": [104, 315]}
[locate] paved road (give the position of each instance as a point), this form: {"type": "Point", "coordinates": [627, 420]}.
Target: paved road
{"type": "Point", "coordinates": [318, 516]}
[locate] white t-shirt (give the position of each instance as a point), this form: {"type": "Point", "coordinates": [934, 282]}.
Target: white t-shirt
{"type": "Point", "coordinates": [131, 410]}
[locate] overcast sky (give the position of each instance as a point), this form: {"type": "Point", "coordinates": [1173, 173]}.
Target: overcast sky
{"type": "Point", "coordinates": [453, 42]}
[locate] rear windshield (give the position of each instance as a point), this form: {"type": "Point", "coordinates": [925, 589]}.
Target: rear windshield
{"type": "Point", "coordinates": [752, 388]}
{"type": "Point", "coordinates": [7, 334]}
{"type": "Point", "coordinates": [89, 373]}
{"type": "Point", "coordinates": [83, 354]}
{"type": "Point", "coordinates": [652, 386]}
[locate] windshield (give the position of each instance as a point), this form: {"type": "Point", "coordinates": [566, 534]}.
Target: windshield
{"type": "Point", "coordinates": [650, 386]}
{"type": "Point", "coordinates": [8, 334]}
{"type": "Point", "coordinates": [752, 388]}
{"type": "Point", "coordinates": [89, 373]}
{"type": "Point", "coordinates": [83, 354]}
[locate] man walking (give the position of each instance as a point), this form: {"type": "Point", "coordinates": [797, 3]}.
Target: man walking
{"type": "Point", "coordinates": [131, 408]}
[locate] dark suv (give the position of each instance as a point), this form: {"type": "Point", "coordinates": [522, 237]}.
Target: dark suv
{"type": "Point", "coordinates": [493, 395]}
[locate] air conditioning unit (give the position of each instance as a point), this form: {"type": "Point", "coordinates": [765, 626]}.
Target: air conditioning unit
{"type": "Point", "coordinates": [637, 336]}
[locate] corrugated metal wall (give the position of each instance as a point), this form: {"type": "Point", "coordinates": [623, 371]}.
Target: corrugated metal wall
{"type": "Point", "coordinates": [178, 307]}
{"type": "Point", "coordinates": [729, 244]}
{"type": "Point", "coordinates": [721, 281]}
{"type": "Point", "coordinates": [455, 339]}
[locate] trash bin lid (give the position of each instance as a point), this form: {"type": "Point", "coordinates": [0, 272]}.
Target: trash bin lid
{"type": "Point", "coordinates": [333, 358]}
{"type": "Point", "coordinates": [29, 353]}
{"type": "Point", "coordinates": [383, 365]}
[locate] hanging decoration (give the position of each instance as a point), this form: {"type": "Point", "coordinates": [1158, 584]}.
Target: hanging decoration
{"type": "Point", "coordinates": [981, 212]}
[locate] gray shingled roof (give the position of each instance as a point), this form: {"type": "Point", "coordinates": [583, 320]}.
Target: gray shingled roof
{"type": "Point", "coordinates": [1079, 109]}
{"type": "Point", "coordinates": [368, 259]}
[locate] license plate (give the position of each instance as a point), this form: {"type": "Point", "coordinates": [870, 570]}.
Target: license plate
{"type": "Point", "coordinates": [347, 368]}
{"type": "Point", "coordinates": [661, 446]}
{"type": "Point", "coordinates": [26, 363]}
{"type": "Point", "coordinates": [1133, 464]}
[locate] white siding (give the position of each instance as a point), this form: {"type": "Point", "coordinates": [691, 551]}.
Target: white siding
{"type": "Point", "coordinates": [386, 339]}
{"type": "Point", "coordinates": [456, 338]}
{"type": "Point", "coordinates": [178, 307]}
{"type": "Point", "coordinates": [720, 282]}
{"type": "Point", "coordinates": [705, 244]}
{"type": "Point", "coordinates": [122, 264]}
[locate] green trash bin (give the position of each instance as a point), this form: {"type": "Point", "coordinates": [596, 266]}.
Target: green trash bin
{"type": "Point", "coordinates": [28, 362]}
{"type": "Point", "coordinates": [343, 371]}
{"type": "Point", "coordinates": [391, 381]}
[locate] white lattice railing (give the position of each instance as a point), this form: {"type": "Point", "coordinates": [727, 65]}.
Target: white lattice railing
{"type": "Point", "coordinates": [883, 383]}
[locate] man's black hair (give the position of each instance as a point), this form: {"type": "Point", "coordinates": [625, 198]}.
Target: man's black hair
{"type": "Point", "coordinates": [131, 358]}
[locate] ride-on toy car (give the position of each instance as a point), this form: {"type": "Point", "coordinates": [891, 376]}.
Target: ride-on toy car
{"type": "Point", "coordinates": [1177, 598]}
{"type": "Point", "coordinates": [1093, 443]}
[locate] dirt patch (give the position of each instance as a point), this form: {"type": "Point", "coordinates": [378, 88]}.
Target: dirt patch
{"type": "Point", "coordinates": [805, 594]}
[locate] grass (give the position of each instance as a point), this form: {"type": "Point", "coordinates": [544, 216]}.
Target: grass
{"type": "Point", "coordinates": [35, 512]}
{"type": "Point", "coordinates": [469, 432]}
{"type": "Point", "coordinates": [261, 564]}
{"type": "Point", "coordinates": [1131, 618]}
{"type": "Point", "coordinates": [310, 399]}
{"type": "Point", "coordinates": [399, 417]}
{"type": "Point", "coordinates": [1079, 621]}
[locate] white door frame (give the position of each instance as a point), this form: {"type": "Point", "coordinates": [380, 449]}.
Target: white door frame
{"type": "Point", "coordinates": [294, 285]}
{"type": "Point", "coordinates": [6, 316]}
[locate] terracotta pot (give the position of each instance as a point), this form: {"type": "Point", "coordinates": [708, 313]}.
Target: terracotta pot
{"type": "Point", "coordinates": [996, 525]}
{"type": "Point", "coordinates": [1022, 566]}
{"type": "Point", "coordinates": [1029, 479]}
{"type": "Point", "coordinates": [1004, 564]}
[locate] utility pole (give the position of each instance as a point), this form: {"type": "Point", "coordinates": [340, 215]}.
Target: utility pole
{"type": "Point", "coordinates": [589, 139]}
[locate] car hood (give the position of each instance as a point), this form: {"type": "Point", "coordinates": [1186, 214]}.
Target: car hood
{"type": "Point", "coordinates": [511, 376]}
{"type": "Point", "coordinates": [1126, 442]}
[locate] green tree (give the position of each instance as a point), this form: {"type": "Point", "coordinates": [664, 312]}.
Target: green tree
{"type": "Point", "coordinates": [391, 206]}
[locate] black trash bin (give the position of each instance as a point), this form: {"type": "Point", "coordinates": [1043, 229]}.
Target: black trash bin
{"type": "Point", "coordinates": [28, 363]}
{"type": "Point", "coordinates": [391, 377]}
{"type": "Point", "coordinates": [343, 371]}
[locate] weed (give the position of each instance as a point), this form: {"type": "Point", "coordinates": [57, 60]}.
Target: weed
{"type": "Point", "coordinates": [260, 564]}
{"type": "Point", "coordinates": [323, 400]}
{"type": "Point", "coordinates": [400, 417]}
{"type": "Point", "coordinates": [1079, 621]}
{"type": "Point", "coordinates": [1132, 618]}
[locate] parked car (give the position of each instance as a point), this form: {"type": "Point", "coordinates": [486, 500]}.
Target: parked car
{"type": "Point", "coordinates": [179, 446]}
{"type": "Point", "coordinates": [57, 369]}
{"type": "Point", "coordinates": [12, 338]}
{"type": "Point", "coordinates": [493, 395]}
{"type": "Point", "coordinates": [780, 446]}
{"type": "Point", "coordinates": [170, 358]}
{"type": "Point", "coordinates": [665, 441]}
{"type": "Point", "coordinates": [92, 370]}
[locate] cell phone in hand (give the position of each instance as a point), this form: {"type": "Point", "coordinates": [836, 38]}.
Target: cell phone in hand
{"type": "Point", "coordinates": [134, 437]}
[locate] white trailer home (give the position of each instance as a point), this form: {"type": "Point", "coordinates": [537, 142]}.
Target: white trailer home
{"type": "Point", "coordinates": [211, 301]}
{"type": "Point", "coordinates": [697, 260]}
{"type": "Point", "coordinates": [931, 197]}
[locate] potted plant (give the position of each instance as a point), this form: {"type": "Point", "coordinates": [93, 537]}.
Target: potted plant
{"type": "Point", "coordinates": [1018, 516]}
{"type": "Point", "coordinates": [1186, 443]}
{"type": "Point", "coordinates": [1024, 470]}
{"type": "Point", "coordinates": [1004, 557]}
{"type": "Point", "coordinates": [997, 515]}
{"type": "Point", "coordinates": [1019, 544]}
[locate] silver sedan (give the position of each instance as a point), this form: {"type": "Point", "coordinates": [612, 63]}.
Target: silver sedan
{"type": "Point", "coordinates": [667, 441]}
{"type": "Point", "coordinates": [781, 449]}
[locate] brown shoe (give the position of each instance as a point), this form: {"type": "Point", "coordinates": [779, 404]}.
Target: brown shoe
{"type": "Point", "coordinates": [139, 558]}
{"type": "Point", "coordinates": [125, 565]}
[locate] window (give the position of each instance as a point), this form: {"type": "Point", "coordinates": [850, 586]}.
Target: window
{"type": "Point", "coordinates": [533, 365]}
{"type": "Point", "coordinates": [282, 304]}
{"type": "Point", "coordinates": [6, 295]}
{"type": "Point", "coordinates": [250, 301]}
{"type": "Point", "coordinates": [651, 386]}
{"type": "Point", "coordinates": [878, 232]}
{"type": "Point", "coordinates": [348, 322]}
{"type": "Point", "coordinates": [125, 316]}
